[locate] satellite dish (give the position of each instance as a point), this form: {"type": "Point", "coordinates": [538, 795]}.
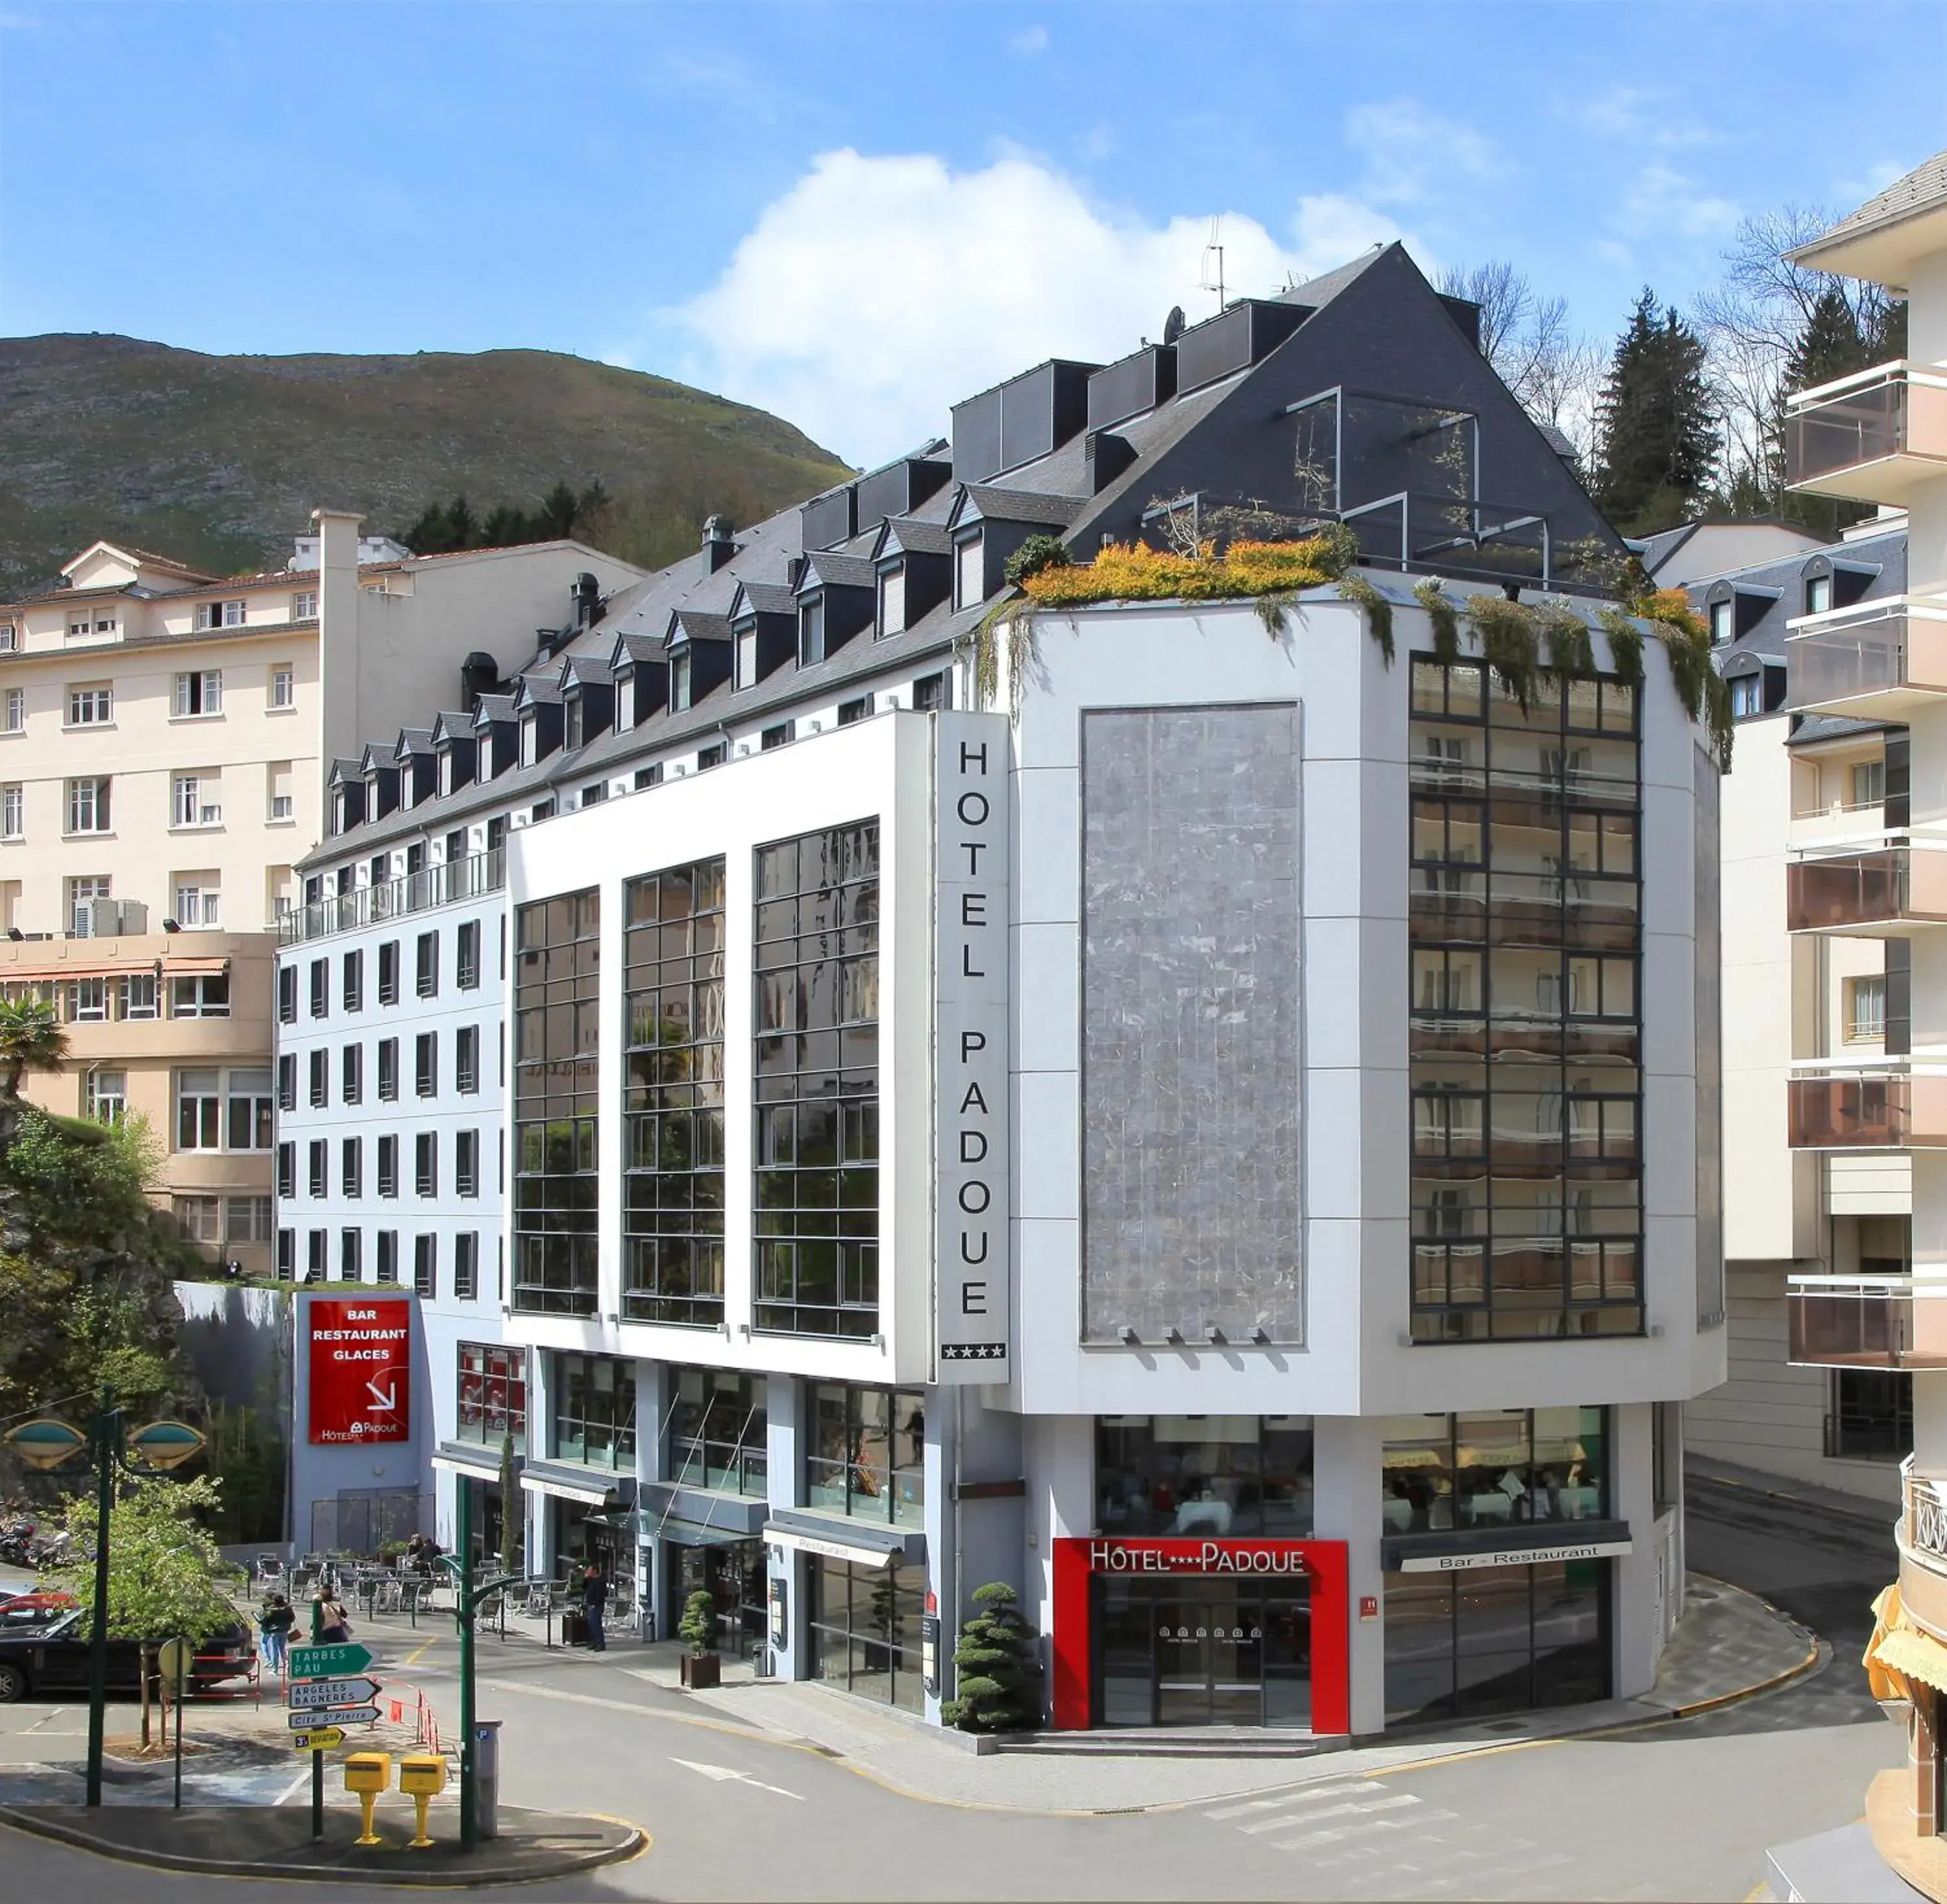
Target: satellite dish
{"type": "Point", "coordinates": [1172, 325]}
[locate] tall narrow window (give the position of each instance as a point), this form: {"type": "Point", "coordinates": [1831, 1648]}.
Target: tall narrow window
{"type": "Point", "coordinates": [466, 956]}
{"type": "Point", "coordinates": [388, 1172]}
{"type": "Point", "coordinates": [557, 991]}
{"type": "Point", "coordinates": [389, 1256]}
{"type": "Point", "coordinates": [466, 1163]}
{"type": "Point", "coordinates": [672, 1105]}
{"type": "Point", "coordinates": [351, 1082]}
{"type": "Point", "coordinates": [425, 1266]}
{"type": "Point", "coordinates": [466, 1060]}
{"type": "Point", "coordinates": [466, 1266]}
{"type": "Point", "coordinates": [425, 1164]}
{"type": "Point", "coordinates": [351, 1166]}
{"type": "Point", "coordinates": [817, 1109]}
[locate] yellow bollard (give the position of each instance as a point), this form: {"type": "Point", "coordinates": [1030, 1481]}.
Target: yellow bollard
{"type": "Point", "coordinates": [367, 1774]}
{"type": "Point", "coordinates": [422, 1777]}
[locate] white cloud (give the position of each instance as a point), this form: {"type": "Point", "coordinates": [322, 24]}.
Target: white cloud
{"type": "Point", "coordinates": [1645, 115]}
{"type": "Point", "coordinates": [1030, 41]}
{"type": "Point", "coordinates": [1411, 155]}
{"type": "Point", "coordinates": [1662, 201]}
{"type": "Point", "coordinates": [877, 291]}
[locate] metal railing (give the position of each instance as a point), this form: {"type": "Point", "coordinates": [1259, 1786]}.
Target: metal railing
{"type": "Point", "coordinates": [392, 899]}
{"type": "Point", "coordinates": [1894, 649]}
{"type": "Point", "coordinates": [1849, 1322]}
{"type": "Point", "coordinates": [1894, 413]}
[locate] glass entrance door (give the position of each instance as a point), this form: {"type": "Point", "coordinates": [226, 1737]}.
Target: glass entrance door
{"type": "Point", "coordinates": [1202, 1650]}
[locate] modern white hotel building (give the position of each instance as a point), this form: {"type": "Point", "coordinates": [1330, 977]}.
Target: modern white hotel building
{"type": "Point", "coordinates": [1211, 1131]}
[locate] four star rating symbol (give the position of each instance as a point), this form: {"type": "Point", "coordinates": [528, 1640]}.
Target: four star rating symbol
{"type": "Point", "coordinates": [972, 1352]}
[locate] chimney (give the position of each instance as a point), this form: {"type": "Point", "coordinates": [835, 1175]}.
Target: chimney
{"type": "Point", "coordinates": [587, 597]}
{"type": "Point", "coordinates": [479, 674]}
{"type": "Point", "coordinates": [719, 542]}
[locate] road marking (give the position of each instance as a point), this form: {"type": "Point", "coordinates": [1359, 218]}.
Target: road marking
{"type": "Point", "coordinates": [1302, 1795]}
{"type": "Point", "coordinates": [717, 1774]}
{"type": "Point", "coordinates": [1357, 1807]}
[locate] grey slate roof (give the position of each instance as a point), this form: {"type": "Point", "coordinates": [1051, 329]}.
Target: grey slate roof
{"type": "Point", "coordinates": [1924, 189]}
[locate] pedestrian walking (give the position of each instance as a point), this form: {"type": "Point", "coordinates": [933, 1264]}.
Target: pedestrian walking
{"type": "Point", "coordinates": [275, 1622]}
{"type": "Point", "coordinates": [594, 1598]}
{"type": "Point", "coordinates": [329, 1619]}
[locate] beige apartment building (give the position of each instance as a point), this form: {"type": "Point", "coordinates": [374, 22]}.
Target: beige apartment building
{"type": "Point", "coordinates": [166, 739]}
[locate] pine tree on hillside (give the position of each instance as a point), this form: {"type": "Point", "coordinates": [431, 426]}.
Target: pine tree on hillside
{"type": "Point", "coordinates": [1835, 342]}
{"type": "Point", "coordinates": [1656, 435]}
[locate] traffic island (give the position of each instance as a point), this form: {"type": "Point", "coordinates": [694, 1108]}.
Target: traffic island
{"type": "Point", "coordinates": [275, 1841]}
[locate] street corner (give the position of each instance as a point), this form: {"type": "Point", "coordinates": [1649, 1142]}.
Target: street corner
{"type": "Point", "coordinates": [254, 1841]}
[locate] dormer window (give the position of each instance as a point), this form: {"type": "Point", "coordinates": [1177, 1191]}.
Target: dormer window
{"type": "Point", "coordinates": [1722, 623]}
{"type": "Point", "coordinates": [969, 578]}
{"type": "Point", "coordinates": [680, 673]}
{"type": "Point", "coordinates": [444, 781]}
{"type": "Point", "coordinates": [572, 723]}
{"type": "Point", "coordinates": [811, 630]}
{"type": "Point", "coordinates": [530, 740]}
{"type": "Point", "coordinates": [893, 600]}
{"type": "Point", "coordinates": [747, 654]}
{"type": "Point", "coordinates": [338, 815]}
{"type": "Point", "coordinates": [1818, 594]}
{"type": "Point", "coordinates": [1747, 696]}
{"type": "Point", "coordinates": [405, 787]}
{"type": "Point", "coordinates": [625, 700]}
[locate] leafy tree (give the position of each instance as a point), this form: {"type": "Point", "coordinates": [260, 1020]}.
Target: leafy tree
{"type": "Point", "coordinates": [1035, 553]}
{"type": "Point", "coordinates": [1656, 437]}
{"type": "Point", "coordinates": [994, 1665]}
{"type": "Point", "coordinates": [165, 1574]}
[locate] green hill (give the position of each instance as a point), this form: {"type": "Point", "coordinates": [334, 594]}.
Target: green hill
{"type": "Point", "coordinates": [218, 461]}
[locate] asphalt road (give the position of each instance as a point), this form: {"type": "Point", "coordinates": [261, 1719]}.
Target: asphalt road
{"type": "Point", "coordinates": [1669, 1811]}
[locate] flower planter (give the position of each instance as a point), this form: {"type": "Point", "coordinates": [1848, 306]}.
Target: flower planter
{"type": "Point", "coordinates": [700, 1671]}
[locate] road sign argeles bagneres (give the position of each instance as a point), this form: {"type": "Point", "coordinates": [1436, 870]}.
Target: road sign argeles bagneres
{"type": "Point", "coordinates": [329, 1662]}
{"type": "Point", "coordinates": [313, 1722]}
{"type": "Point", "coordinates": [312, 1694]}
{"type": "Point", "coordinates": [320, 1738]}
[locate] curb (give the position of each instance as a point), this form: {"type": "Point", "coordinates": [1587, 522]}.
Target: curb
{"type": "Point", "coordinates": [25, 1818]}
{"type": "Point", "coordinates": [1815, 1646]}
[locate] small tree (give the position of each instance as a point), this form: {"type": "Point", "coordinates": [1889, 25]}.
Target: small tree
{"type": "Point", "coordinates": [698, 1626]}
{"type": "Point", "coordinates": [165, 1574]}
{"type": "Point", "coordinates": [994, 1665]}
{"type": "Point", "coordinates": [31, 1039]}
{"type": "Point", "coordinates": [510, 1497]}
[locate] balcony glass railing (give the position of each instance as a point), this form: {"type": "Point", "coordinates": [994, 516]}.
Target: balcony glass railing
{"type": "Point", "coordinates": [1879, 1108]}
{"type": "Point", "coordinates": [1854, 892]}
{"type": "Point", "coordinates": [1871, 436]}
{"type": "Point", "coordinates": [1879, 657]}
{"type": "Point", "coordinates": [391, 899]}
{"type": "Point", "coordinates": [1848, 1321]}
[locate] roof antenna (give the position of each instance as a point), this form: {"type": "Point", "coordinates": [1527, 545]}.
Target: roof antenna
{"type": "Point", "coordinates": [1215, 249]}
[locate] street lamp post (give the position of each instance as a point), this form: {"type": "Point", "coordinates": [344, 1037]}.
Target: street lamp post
{"type": "Point", "coordinates": [46, 1444]}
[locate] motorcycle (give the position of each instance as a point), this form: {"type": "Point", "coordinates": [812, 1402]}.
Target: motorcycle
{"type": "Point", "coordinates": [17, 1543]}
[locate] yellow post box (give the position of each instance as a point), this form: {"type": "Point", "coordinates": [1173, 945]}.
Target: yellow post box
{"type": "Point", "coordinates": [422, 1778]}
{"type": "Point", "coordinates": [367, 1774]}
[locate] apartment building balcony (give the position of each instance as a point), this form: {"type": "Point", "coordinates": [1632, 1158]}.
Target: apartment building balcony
{"type": "Point", "coordinates": [1862, 1322]}
{"type": "Point", "coordinates": [395, 899]}
{"type": "Point", "coordinates": [1871, 437]}
{"type": "Point", "coordinates": [1881, 660]}
{"type": "Point", "coordinates": [1880, 1104]}
{"type": "Point", "coordinates": [1887, 893]}
{"type": "Point", "coordinates": [1922, 1537]}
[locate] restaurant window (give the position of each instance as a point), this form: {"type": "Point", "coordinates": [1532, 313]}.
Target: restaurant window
{"type": "Point", "coordinates": [493, 1395]}
{"type": "Point", "coordinates": [718, 1432]}
{"type": "Point", "coordinates": [864, 1629]}
{"type": "Point", "coordinates": [673, 1102]}
{"type": "Point", "coordinates": [867, 1454]}
{"type": "Point", "coordinates": [594, 1398]}
{"type": "Point", "coordinates": [557, 990]}
{"type": "Point", "coordinates": [817, 1087]}
{"type": "Point", "coordinates": [1221, 1475]}
{"type": "Point", "coordinates": [1496, 1468]}
{"type": "Point", "coordinates": [1524, 1024]}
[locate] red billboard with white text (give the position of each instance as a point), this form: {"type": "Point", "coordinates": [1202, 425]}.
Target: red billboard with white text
{"type": "Point", "coordinates": [360, 1366]}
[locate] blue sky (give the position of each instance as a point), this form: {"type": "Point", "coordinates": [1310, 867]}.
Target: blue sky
{"type": "Point", "coordinates": [855, 214]}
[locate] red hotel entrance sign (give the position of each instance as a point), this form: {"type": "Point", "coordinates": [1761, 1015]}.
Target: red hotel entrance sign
{"type": "Point", "coordinates": [360, 1366]}
{"type": "Point", "coordinates": [1322, 1563]}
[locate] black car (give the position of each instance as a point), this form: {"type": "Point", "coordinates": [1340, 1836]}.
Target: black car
{"type": "Point", "coordinates": [50, 1660]}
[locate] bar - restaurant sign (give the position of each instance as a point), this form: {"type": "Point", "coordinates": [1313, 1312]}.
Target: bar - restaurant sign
{"type": "Point", "coordinates": [1450, 1563]}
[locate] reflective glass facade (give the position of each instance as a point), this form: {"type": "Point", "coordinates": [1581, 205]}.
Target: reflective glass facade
{"type": "Point", "coordinates": [672, 1105]}
{"type": "Point", "coordinates": [1525, 1025]}
{"type": "Point", "coordinates": [817, 1129]}
{"type": "Point", "coordinates": [557, 979]}
{"type": "Point", "coordinates": [1221, 1475]}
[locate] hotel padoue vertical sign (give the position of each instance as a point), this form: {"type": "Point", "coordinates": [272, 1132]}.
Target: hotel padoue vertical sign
{"type": "Point", "coordinates": [972, 1278]}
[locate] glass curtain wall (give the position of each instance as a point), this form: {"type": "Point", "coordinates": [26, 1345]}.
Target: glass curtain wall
{"type": "Point", "coordinates": [719, 1430]}
{"type": "Point", "coordinates": [557, 982]}
{"type": "Point", "coordinates": [868, 1455]}
{"type": "Point", "coordinates": [594, 1399]}
{"type": "Point", "coordinates": [864, 1629]}
{"type": "Point", "coordinates": [1221, 1475]}
{"type": "Point", "coordinates": [817, 1083]}
{"type": "Point", "coordinates": [493, 1395]}
{"type": "Point", "coordinates": [1495, 1468]}
{"type": "Point", "coordinates": [1525, 1028]}
{"type": "Point", "coordinates": [673, 1106]}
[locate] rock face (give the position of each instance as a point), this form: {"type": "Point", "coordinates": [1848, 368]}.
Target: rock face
{"type": "Point", "coordinates": [218, 461]}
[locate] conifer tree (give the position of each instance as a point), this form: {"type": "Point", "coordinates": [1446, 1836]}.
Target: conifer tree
{"type": "Point", "coordinates": [994, 1665]}
{"type": "Point", "coordinates": [1656, 440]}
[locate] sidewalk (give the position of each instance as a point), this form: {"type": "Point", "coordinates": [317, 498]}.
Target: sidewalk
{"type": "Point", "coordinates": [1729, 1644]}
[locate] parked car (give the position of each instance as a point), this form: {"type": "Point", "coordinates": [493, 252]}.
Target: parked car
{"type": "Point", "coordinates": [19, 1610]}
{"type": "Point", "coordinates": [50, 1660]}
